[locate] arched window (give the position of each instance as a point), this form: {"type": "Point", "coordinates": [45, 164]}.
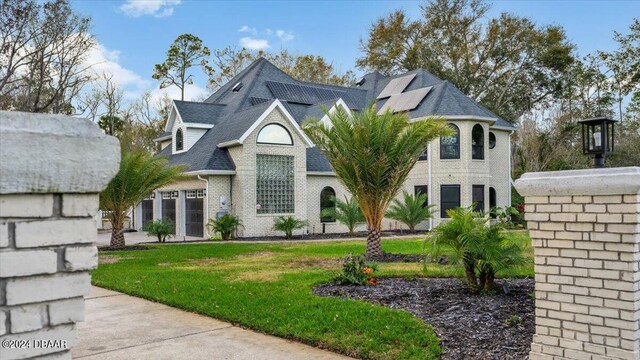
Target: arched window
{"type": "Point", "coordinates": [179, 140]}
{"type": "Point", "coordinates": [492, 140]}
{"type": "Point", "coordinates": [274, 134]}
{"type": "Point", "coordinates": [327, 201]}
{"type": "Point", "coordinates": [477, 142]}
{"type": "Point", "coordinates": [450, 145]}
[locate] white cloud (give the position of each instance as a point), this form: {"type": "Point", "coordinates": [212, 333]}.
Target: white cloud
{"type": "Point", "coordinates": [248, 29]}
{"type": "Point", "coordinates": [269, 32]}
{"type": "Point", "coordinates": [101, 60]}
{"type": "Point", "coordinates": [254, 44]}
{"type": "Point", "coordinates": [156, 8]}
{"type": "Point", "coordinates": [284, 36]}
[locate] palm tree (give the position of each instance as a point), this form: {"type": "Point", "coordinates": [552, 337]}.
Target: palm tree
{"type": "Point", "coordinates": [140, 173]}
{"type": "Point", "coordinates": [372, 155]}
{"type": "Point", "coordinates": [346, 212]}
{"type": "Point", "coordinates": [412, 211]}
{"type": "Point", "coordinates": [287, 224]}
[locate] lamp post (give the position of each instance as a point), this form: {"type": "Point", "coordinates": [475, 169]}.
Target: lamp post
{"type": "Point", "coordinates": [597, 138]}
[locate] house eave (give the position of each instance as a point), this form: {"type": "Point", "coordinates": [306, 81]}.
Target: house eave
{"type": "Point", "coordinates": [321, 173]}
{"type": "Point", "coordinates": [211, 172]}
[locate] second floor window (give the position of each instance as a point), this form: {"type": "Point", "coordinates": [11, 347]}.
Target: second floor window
{"type": "Point", "coordinates": [477, 142]}
{"type": "Point", "coordinates": [450, 145]}
{"type": "Point", "coordinates": [179, 140]}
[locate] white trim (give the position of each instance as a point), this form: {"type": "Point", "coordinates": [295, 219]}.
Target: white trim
{"type": "Point", "coordinates": [321, 173]}
{"type": "Point", "coordinates": [211, 172]}
{"type": "Point", "coordinates": [430, 188]}
{"type": "Point", "coordinates": [169, 125]}
{"type": "Point", "coordinates": [162, 138]}
{"type": "Point", "coordinates": [502, 128]}
{"type": "Point", "coordinates": [197, 125]}
{"type": "Point", "coordinates": [270, 109]}
{"type": "Point", "coordinates": [229, 143]}
{"type": "Point", "coordinates": [325, 118]}
{"type": "Point", "coordinates": [468, 117]}
{"type": "Point", "coordinates": [509, 178]}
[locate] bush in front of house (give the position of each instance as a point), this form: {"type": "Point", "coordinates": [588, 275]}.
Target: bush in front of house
{"type": "Point", "coordinates": [411, 211]}
{"type": "Point", "coordinates": [288, 224]}
{"type": "Point", "coordinates": [357, 271]}
{"type": "Point", "coordinates": [510, 217]}
{"type": "Point", "coordinates": [225, 225]}
{"type": "Point", "coordinates": [346, 212]}
{"type": "Point", "coordinates": [481, 248]}
{"type": "Point", "coordinates": [162, 229]}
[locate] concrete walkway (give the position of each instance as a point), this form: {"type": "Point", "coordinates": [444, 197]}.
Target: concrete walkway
{"type": "Point", "coordinates": [118, 326]}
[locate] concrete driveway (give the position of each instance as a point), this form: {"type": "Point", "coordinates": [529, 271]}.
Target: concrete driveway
{"type": "Point", "coordinates": [130, 238]}
{"type": "Point", "coordinates": [119, 326]}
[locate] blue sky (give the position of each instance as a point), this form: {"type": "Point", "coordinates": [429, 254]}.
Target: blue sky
{"type": "Point", "coordinates": [134, 34]}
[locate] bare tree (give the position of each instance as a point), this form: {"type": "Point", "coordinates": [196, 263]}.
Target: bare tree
{"type": "Point", "coordinates": [42, 59]}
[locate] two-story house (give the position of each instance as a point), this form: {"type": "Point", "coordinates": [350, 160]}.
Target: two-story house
{"type": "Point", "coordinates": [246, 153]}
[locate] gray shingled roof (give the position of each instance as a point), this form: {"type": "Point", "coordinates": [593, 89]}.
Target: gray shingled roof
{"type": "Point", "coordinates": [198, 112]}
{"type": "Point", "coordinates": [233, 112]}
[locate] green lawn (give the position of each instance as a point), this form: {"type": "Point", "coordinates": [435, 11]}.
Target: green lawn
{"type": "Point", "coordinates": [267, 287]}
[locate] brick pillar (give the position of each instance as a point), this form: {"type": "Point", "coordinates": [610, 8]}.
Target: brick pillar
{"type": "Point", "coordinates": [585, 228]}
{"type": "Point", "coordinates": [51, 170]}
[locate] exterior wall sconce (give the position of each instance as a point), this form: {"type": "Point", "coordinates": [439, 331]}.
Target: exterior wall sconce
{"type": "Point", "coordinates": [597, 138]}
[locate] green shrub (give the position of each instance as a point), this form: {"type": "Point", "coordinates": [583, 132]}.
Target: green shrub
{"type": "Point", "coordinates": [225, 225]}
{"type": "Point", "coordinates": [287, 224]}
{"type": "Point", "coordinates": [509, 217]}
{"type": "Point", "coordinates": [162, 229]}
{"type": "Point", "coordinates": [346, 212]}
{"type": "Point", "coordinates": [482, 249]}
{"type": "Point", "coordinates": [357, 271]}
{"type": "Point", "coordinates": [412, 211]}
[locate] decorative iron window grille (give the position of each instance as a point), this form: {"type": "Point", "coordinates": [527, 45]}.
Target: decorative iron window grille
{"type": "Point", "coordinates": [275, 184]}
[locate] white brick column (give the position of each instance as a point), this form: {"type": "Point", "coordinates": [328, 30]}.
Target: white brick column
{"type": "Point", "coordinates": [585, 228]}
{"type": "Point", "coordinates": [51, 170]}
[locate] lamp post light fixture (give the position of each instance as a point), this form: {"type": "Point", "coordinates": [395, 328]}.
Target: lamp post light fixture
{"type": "Point", "coordinates": [597, 138]}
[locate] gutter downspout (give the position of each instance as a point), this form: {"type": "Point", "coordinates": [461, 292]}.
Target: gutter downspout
{"type": "Point", "coordinates": [509, 178]}
{"type": "Point", "coordinates": [430, 188]}
{"type": "Point", "coordinates": [206, 203]}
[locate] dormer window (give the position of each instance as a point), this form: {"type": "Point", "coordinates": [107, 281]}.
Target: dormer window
{"type": "Point", "coordinates": [236, 87]}
{"type": "Point", "coordinates": [274, 134]}
{"type": "Point", "coordinates": [179, 140]}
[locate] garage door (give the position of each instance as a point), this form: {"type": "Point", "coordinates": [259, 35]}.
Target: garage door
{"type": "Point", "coordinates": [147, 210]}
{"type": "Point", "coordinates": [194, 213]}
{"type": "Point", "coordinates": [169, 207]}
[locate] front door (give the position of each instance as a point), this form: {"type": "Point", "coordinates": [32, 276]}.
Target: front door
{"type": "Point", "coordinates": [194, 216]}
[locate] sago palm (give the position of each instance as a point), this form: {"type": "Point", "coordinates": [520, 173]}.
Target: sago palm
{"type": "Point", "coordinates": [140, 173]}
{"type": "Point", "coordinates": [346, 212]}
{"type": "Point", "coordinates": [411, 211]}
{"type": "Point", "coordinates": [287, 224]}
{"type": "Point", "coordinates": [372, 154]}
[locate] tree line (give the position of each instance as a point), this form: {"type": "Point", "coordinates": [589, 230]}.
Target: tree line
{"type": "Point", "coordinates": [531, 75]}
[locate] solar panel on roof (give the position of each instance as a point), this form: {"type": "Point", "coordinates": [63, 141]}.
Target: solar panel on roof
{"type": "Point", "coordinates": [406, 101]}
{"type": "Point", "coordinates": [396, 86]}
{"type": "Point", "coordinates": [258, 100]}
{"type": "Point", "coordinates": [303, 94]}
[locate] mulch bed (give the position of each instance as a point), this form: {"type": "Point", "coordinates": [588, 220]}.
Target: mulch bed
{"type": "Point", "coordinates": [392, 257]}
{"type": "Point", "coordinates": [469, 326]}
{"type": "Point", "coordinates": [126, 248]}
{"type": "Point", "coordinates": [357, 235]}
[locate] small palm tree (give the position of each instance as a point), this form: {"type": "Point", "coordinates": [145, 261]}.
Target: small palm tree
{"type": "Point", "coordinates": [162, 229]}
{"type": "Point", "coordinates": [372, 155]}
{"type": "Point", "coordinates": [140, 173]}
{"type": "Point", "coordinates": [287, 224]}
{"type": "Point", "coordinates": [482, 249]}
{"type": "Point", "coordinates": [225, 225]}
{"type": "Point", "coordinates": [412, 211]}
{"type": "Point", "coordinates": [346, 212]}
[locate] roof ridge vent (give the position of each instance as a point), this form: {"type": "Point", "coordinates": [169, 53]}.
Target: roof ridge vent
{"type": "Point", "coordinates": [237, 87]}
